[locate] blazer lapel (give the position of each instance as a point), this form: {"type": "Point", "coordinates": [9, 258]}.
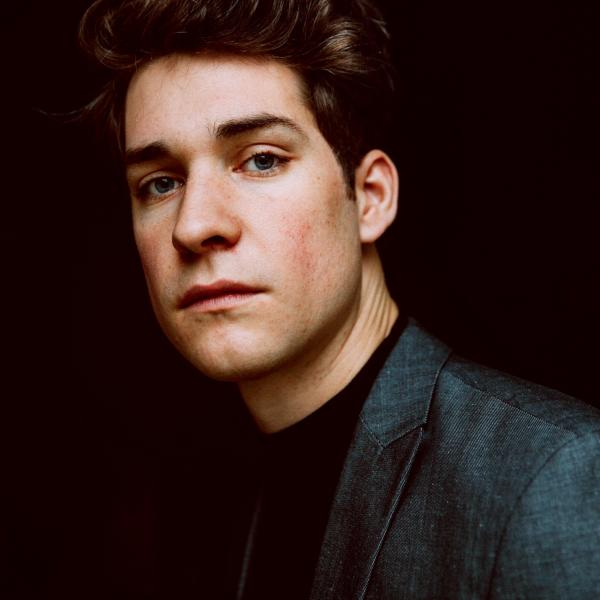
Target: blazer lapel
{"type": "Point", "coordinates": [378, 465]}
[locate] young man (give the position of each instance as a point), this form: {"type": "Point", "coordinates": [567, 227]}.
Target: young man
{"type": "Point", "coordinates": [250, 133]}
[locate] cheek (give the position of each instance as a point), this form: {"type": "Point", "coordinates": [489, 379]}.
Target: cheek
{"type": "Point", "coordinates": [148, 258]}
{"type": "Point", "coordinates": [300, 241]}
{"type": "Point", "coordinates": [150, 253]}
{"type": "Point", "coordinates": [316, 251]}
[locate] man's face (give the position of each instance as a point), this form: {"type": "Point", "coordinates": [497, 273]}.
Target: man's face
{"type": "Point", "coordinates": [247, 234]}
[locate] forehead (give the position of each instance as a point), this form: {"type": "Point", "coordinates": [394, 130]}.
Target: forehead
{"type": "Point", "coordinates": [181, 93]}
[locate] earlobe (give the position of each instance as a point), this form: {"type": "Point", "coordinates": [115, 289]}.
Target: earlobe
{"type": "Point", "coordinates": [376, 191]}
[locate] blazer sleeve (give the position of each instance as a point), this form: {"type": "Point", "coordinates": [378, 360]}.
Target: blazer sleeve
{"type": "Point", "coordinates": [551, 545]}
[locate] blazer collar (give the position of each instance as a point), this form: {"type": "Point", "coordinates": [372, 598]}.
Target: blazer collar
{"type": "Point", "coordinates": [401, 395]}
{"type": "Point", "coordinates": [379, 460]}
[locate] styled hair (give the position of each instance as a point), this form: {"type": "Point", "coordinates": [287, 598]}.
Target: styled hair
{"type": "Point", "coordinates": [339, 48]}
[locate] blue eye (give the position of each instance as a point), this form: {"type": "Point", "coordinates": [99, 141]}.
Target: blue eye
{"type": "Point", "coordinates": [263, 162]}
{"type": "Point", "coordinates": [163, 185]}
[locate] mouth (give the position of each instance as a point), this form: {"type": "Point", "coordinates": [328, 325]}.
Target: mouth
{"type": "Point", "coordinates": [219, 295]}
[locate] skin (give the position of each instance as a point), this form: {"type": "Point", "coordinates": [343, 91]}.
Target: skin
{"type": "Point", "coordinates": [231, 179]}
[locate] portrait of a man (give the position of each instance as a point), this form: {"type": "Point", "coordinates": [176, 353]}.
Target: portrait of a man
{"type": "Point", "coordinates": [363, 458]}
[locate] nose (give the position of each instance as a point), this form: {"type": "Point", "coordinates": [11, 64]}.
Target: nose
{"type": "Point", "coordinates": [205, 220]}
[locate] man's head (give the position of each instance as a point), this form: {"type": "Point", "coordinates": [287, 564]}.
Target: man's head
{"type": "Point", "coordinates": [339, 49]}
{"type": "Point", "coordinates": [257, 251]}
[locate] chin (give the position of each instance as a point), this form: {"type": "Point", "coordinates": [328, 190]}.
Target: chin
{"type": "Point", "coordinates": [231, 371]}
{"type": "Point", "coordinates": [231, 364]}
{"type": "Point", "coordinates": [236, 354]}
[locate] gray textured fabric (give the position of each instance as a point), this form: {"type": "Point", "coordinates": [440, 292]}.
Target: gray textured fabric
{"type": "Point", "coordinates": [462, 482]}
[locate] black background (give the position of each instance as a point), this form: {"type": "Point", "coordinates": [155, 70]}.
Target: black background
{"type": "Point", "coordinates": [495, 250]}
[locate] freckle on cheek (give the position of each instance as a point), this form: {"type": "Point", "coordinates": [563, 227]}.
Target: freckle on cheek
{"type": "Point", "coordinates": [300, 237]}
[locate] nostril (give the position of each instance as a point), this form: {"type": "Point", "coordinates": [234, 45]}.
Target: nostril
{"type": "Point", "coordinates": [215, 241]}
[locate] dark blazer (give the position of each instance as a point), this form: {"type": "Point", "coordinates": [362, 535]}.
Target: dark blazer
{"type": "Point", "coordinates": [462, 482]}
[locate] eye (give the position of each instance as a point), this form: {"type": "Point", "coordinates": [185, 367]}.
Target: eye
{"type": "Point", "coordinates": [264, 163]}
{"type": "Point", "coordinates": [161, 186]}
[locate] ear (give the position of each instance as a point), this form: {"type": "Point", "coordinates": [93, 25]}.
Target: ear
{"type": "Point", "coordinates": [376, 192]}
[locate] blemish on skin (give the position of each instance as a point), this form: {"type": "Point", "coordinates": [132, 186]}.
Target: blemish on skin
{"type": "Point", "coordinates": [301, 234]}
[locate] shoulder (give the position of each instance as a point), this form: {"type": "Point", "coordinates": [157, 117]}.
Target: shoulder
{"type": "Point", "coordinates": [523, 403]}
{"type": "Point", "coordinates": [535, 454]}
{"type": "Point", "coordinates": [528, 459]}
{"type": "Point", "coordinates": [512, 428]}
{"type": "Point", "coordinates": [496, 436]}
{"type": "Point", "coordinates": [504, 495]}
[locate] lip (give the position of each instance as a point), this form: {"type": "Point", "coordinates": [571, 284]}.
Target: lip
{"type": "Point", "coordinates": [217, 296]}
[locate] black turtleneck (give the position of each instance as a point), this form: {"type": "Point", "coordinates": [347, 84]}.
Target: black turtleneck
{"type": "Point", "coordinates": [298, 470]}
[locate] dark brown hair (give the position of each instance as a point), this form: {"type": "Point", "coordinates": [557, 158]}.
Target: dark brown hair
{"type": "Point", "coordinates": [338, 47]}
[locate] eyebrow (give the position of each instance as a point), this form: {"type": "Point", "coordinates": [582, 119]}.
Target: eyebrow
{"type": "Point", "coordinates": [150, 152]}
{"type": "Point", "coordinates": [225, 130]}
{"type": "Point", "coordinates": [235, 127]}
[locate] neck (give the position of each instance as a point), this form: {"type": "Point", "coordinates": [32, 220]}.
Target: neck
{"type": "Point", "coordinates": [281, 399]}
